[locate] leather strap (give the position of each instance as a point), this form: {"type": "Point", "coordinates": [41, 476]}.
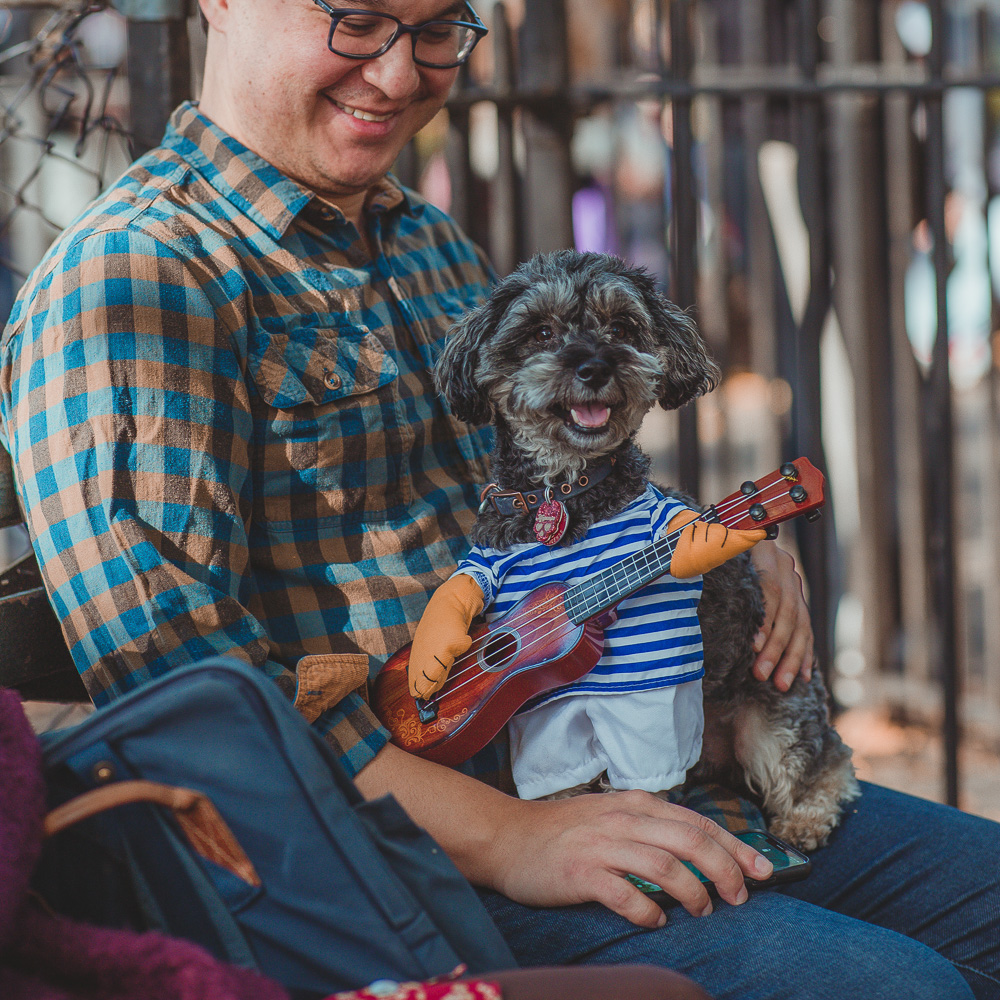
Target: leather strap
{"type": "Point", "coordinates": [509, 502]}
{"type": "Point", "coordinates": [205, 829]}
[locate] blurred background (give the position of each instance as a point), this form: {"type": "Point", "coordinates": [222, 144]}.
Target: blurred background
{"type": "Point", "coordinates": [818, 181]}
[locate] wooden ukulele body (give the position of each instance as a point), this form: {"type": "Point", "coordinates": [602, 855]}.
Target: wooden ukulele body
{"type": "Point", "coordinates": [540, 645]}
{"type": "Point", "coordinates": [532, 649]}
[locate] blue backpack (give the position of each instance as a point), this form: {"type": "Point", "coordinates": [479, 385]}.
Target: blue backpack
{"type": "Point", "coordinates": [301, 878]}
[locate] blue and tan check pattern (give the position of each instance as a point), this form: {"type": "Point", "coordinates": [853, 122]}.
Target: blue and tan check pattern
{"type": "Point", "coordinates": [223, 427]}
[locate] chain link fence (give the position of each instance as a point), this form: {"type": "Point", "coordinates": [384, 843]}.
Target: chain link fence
{"type": "Point", "coordinates": [63, 123]}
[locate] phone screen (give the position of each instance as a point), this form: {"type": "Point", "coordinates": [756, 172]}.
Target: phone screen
{"type": "Point", "coordinates": [778, 853]}
{"type": "Point", "coordinates": [789, 864]}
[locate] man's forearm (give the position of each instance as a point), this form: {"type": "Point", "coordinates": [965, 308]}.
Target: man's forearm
{"type": "Point", "coordinates": [568, 851]}
{"type": "Point", "coordinates": [466, 817]}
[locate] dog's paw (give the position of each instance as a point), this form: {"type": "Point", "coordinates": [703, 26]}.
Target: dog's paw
{"type": "Point", "coordinates": [805, 833]}
{"type": "Point", "coordinates": [809, 822]}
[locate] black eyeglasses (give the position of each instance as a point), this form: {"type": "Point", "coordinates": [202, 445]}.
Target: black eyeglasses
{"type": "Point", "coordinates": [367, 34]}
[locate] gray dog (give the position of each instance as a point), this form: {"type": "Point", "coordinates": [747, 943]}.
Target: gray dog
{"type": "Point", "coordinates": [565, 359]}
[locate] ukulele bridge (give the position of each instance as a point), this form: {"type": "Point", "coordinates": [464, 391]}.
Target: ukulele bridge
{"type": "Point", "coordinates": [427, 711]}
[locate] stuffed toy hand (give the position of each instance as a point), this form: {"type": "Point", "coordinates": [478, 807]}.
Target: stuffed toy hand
{"type": "Point", "coordinates": [443, 633]}
{"type": "Point", "coordinates": [703, 546]}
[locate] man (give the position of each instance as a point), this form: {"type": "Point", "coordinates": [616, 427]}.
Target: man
{"type": "Point", "coordinates": [215, 390]}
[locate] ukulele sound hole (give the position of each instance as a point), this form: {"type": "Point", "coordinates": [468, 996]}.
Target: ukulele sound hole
{"type": "Point", "coordinates": [499, 650]}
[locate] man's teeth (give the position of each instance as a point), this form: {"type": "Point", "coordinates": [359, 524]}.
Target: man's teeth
{"type": "Point", "coordinates": [365, 116]}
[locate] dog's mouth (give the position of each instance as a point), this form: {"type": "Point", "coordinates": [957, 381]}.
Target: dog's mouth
{"type": "Point", "coordinates": [587, 418]}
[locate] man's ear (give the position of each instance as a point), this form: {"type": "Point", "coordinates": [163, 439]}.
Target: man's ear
{"type": "Point", "coordinates": [455, 373]}
{"type": "Point", "coordinates": [688, 370]}
{"type": "Point", "coordinates": [214, 13]}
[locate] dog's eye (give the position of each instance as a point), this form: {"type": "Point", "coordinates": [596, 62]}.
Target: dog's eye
{"type": "Point", "coordinates": [618, 328]}
{"type": "Point", "coordinates": [544, 334]}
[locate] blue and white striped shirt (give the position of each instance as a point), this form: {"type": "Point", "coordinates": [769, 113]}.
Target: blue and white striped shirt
{"type": "Point", "coordinates": [656, 640]}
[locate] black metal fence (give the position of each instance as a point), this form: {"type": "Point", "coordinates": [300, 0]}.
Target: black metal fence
{"type": "Point", "coordinates": [815, 154]}
{"type": "Point", "coordinates": [816, 181]}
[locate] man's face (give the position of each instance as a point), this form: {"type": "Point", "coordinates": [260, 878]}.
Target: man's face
{"type": "Point", "coordinates": [335, 125]}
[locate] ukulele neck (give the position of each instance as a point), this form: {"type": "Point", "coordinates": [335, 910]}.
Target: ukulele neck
{"type": "Point", "coordinates": [604, 590]}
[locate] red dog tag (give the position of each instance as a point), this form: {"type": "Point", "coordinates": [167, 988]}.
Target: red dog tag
{"type": "Point", "coordinates": [551, 520]}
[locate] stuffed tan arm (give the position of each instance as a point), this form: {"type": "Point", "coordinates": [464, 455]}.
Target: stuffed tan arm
{"type": "Point", "coordinates": [703, 546]}
{"type": "Point", "coordinates": [443, 633]}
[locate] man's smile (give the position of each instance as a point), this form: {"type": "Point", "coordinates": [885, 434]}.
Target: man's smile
{"type": "Point", "coordinates": [365, 116]}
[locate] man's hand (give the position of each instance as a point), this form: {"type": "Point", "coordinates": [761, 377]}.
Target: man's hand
{"type": "Point", "coordinates": [570, 851]}
{"type": "Point", "coordinates": [785, 641]}
{"type": "Point", "coordinates": [578, 850]}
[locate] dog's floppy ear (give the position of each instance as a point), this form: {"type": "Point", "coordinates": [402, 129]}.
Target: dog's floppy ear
{"type": "Point", "coordinates": [688, 371]}
{"type": "Point", "coordinates": [455, 371]}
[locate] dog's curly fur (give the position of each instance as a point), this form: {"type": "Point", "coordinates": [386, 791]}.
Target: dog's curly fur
{"type": "Point", "coordinates": [568, 331]}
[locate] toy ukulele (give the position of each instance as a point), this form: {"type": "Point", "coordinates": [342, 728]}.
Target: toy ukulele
{"type": "Point", "coordinates": [555, 635]}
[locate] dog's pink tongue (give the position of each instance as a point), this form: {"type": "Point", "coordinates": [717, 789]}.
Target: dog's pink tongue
{"type": "Point", "coordinates": [591, 415]}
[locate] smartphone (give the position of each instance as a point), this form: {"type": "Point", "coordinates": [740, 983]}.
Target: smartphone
{"type": "Point", "coordinates": [789, 864]}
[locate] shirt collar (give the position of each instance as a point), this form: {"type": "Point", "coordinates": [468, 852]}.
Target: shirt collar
{"type": "Point", "coordinates": [249, 182]}
{"type": "Point", "coordinates": [384, 197]}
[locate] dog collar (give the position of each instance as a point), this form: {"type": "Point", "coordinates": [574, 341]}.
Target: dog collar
{"type": "Point", "coordinates": [521, 502]}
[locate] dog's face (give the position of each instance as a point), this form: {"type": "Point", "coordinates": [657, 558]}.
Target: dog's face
{"type": "Point", "coordinates": [570, 352]}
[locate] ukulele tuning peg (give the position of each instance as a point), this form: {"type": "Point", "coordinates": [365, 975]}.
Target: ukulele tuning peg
{"type": "Point", "coordinates": [798, 493]}
{"type": "Point", "coordinates": [748, 488]}
{"type": "Point", "coordinates": [772, 532]}
{"type": "Point", "coordinates": [788, 471]}
{"type": "Point", "coordinates": [814, 515]}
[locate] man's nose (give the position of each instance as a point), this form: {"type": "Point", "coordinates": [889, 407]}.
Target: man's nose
{"type": "Point", "coordinates": [394, 72]}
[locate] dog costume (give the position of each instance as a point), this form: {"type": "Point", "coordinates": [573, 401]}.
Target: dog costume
{"type": "Point", "coordinates": [572, 734]}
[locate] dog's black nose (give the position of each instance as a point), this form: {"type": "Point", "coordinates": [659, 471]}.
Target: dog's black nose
{"type": "Point", "coordinates": [594, 372]}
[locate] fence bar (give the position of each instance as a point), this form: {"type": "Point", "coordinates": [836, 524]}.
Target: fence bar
{"type": "Point", "coordinates": [991, 593]}
{"type": "Point", "coordinates": [814, 541]}
{"type": "Point", "coordinates": [938, 429]}
{"type": "Point", "coordinates": [737, 83]}
{"type": "Point", "coordinates": [858, 204]}
{"type": "Point", "coordinates": [460, 172]}
{"type": "Point", "coordinates": [159, 77]}
{"type": "Point", "coordinates": [760, 265]}
{"type": "Point", "coordinates": [913, 654]}
{"type": "Point", "coordinates": [547, 126]}
{"type": "Point", "coordinates": [713, 263]}
{"type": "Point", "coordinates": [685, 242]}
{"type": "Point", "coordinates": [505, 226]}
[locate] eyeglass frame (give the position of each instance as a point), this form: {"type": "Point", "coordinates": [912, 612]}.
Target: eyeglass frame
{"type": "Point", "coordinates": [337, 14]}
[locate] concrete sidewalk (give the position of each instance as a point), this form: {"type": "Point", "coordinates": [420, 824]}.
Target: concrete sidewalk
{"type": "Point", "coordinates": [910, 758]}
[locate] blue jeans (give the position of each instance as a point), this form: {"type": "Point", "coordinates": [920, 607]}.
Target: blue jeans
{"type": "Point", "coordinates": [904, 902]}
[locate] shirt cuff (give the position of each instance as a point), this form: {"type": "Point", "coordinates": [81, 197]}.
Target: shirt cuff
{"type": "Point", "coordinates": [354, 733]}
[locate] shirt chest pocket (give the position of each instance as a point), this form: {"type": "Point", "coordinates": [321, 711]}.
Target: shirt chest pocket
{"type": "Point", "coordinates": [332, 442]}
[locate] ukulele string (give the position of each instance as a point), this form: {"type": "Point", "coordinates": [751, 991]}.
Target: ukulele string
{"type": "Point", "coordinates": [517, 624]}
{"type": "Point", "coordinates": [530, 638]}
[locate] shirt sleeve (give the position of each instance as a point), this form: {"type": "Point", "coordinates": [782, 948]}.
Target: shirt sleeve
{"type": "Point", "coordinates": [481, 568]}
{"type": "Point", "coordinates": [128, 419]}
{"type": "Point", "coordinates": [664, 511]}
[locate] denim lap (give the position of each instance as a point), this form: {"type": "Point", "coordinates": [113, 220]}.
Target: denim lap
{"type": "Point", "coordinates": [897, 866]}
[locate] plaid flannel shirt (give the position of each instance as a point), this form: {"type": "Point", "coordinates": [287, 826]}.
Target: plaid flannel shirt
{"type": "Point", "coordinates": [224, 431]}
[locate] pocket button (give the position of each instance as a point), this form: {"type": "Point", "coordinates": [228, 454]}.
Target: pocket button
{"type": "Point", "coordinates": [331, 380]}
